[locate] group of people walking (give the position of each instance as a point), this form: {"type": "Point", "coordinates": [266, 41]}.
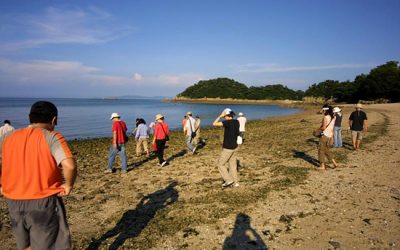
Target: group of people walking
{"type": "Point", "coordinates": [160, 132]}
{"type": "Point", "coordinates": [159, 129]}
{"type": "Point", "coordinates": [330, 132]}
{"type": "Point", "coordinates": [38, 168]}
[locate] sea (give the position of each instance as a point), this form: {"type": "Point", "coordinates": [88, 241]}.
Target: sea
{"type": "Point", "coordinates": [90, 118]}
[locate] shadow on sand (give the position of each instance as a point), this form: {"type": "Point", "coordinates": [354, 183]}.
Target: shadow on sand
{"type": "Point", "coordinates": [306, 157]}
{"type": "Point", "coordinates": [244, 236]}
{"type": "Point", "coordinates": [134, 221]}
{"type": "Point", "coordinates": [137, 164]}
{"type": "Point", "coordinates": [177, 155]}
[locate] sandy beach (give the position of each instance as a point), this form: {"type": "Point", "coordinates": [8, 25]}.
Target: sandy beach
{"type": "Point", "coordinates": [282, 201]}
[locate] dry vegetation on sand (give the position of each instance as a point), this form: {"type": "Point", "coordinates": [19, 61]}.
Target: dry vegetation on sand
{"type": "Point", "coordinates": [282, 203]}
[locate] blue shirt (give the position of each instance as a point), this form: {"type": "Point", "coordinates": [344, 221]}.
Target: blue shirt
{"type": "Point", "coordinates": [142, 131]}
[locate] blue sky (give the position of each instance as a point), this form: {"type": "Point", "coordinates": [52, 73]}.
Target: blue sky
{"type": "Point", "coordinates": [158, 48]}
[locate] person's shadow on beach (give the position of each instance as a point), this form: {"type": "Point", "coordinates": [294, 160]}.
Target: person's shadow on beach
{"type": "Point", "coordinates": [244, 236]}
{"type": "Point", "coordinates": [141, 162]}
{"type": "Point", "coordinates": [312, 141]}
{"type": "Point", "coordinates": [306, 157]}
{"type": "Point", "coordinates": [179, 154]}
{"type": "Point", "coordinates": [134, 221]}
{"type": "Point", "coordinates": [347, 145]}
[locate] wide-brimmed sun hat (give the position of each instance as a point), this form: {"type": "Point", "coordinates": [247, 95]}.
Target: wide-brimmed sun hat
{"type": "Point", "coordinates": [359, 105]}
{"type": "Point", "coordinates": [114, 115]}
{"type": "Point", "coordinates": [336, 110]}
{"type": "Point", "coordinates": [159, 116]}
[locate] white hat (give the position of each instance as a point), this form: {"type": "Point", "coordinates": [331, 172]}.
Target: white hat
{"type": "Point", "coordinates": [240, 114]}
{"type": "Point", "coordinates": [159, 116]}
{"type": "Point", "coordinates": [229, 111]}
{"type": "Point", "coordinates": [359, 105]}
{"type": "Point", "coordinates": [336, 110]}
{"type": "Point", "coordinates": [114, 115]}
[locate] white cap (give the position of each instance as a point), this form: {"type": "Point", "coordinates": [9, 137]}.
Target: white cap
{"type": "Point", "coordinates": [229, 111]}
{"type": "Point", "coordinates": [240, 114]}
{"type": "Point", "coordinates": [114, 115]}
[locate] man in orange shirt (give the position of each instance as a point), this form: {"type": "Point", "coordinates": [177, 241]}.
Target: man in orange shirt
{"type": "Point", "coordinates": [37, 169]}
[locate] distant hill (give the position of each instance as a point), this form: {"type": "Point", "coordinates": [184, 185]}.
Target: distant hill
{"type": "Point", "coordinates": [228, 88]}
{"type": "Point", "coordinates": [134, 97]}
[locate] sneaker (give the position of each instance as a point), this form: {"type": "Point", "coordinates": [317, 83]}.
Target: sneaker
{"type": "Point", "coordinates": [194, 150]}
{"type": "Point", "coordinates": [236, 185]}
{"type": "Point", "coordinates": [227, 184]}
{"type": "Point", "coordinates": [108, 171]}
{"type": "Point", "coordinates": [163, 163]}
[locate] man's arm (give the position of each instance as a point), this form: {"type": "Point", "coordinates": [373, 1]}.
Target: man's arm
{"type": "Point", "coordinates": [185, 128]}
{"type": "Point", "coordinates": [365, 128]}
{"type": "Point", "coordinates": [115, 143]}
{"type": "Point", "coordinates": [154, 134]}
{"type": "Point", "coordinates": [70, 172]}
{"type": "Point", "coordinates": [1, 189]}
{"type": "Point", "coordinates": [217, 122]}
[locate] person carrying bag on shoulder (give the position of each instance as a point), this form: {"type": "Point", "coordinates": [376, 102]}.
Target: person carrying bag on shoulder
{"type": "Point", "coordinates": [160, 137]}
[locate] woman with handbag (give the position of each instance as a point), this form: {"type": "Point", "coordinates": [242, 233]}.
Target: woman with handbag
{"type": "Point", "coordinates": [327, 125]}
{"type": "Point", "coordinates": [160, 137]}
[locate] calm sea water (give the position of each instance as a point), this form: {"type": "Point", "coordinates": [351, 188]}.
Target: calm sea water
{"type": "Point", "coordinates": [89, 118]}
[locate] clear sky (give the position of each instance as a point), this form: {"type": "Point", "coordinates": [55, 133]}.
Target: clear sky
{"type": "Point", "coordinates": [158, 48]}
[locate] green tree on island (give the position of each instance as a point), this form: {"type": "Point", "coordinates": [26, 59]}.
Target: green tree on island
{"type": "Point", "coordinates": [228, 88]}
{"type": "Point", "coordinates": [382, 82]}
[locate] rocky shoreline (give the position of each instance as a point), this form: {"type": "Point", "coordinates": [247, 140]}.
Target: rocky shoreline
{"type": "Point", "coordinates": [206, 100]}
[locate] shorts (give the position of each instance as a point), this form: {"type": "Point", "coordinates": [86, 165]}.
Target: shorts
{"type": "Point", "coordinates": [356, 135]}
{"type": "Point", "coordinates": [40, 224]}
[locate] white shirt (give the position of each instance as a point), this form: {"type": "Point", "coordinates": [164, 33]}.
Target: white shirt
{"type": "Point", "coordinates": [242, 123]}
{"type": "Point", "coordinates": [330, 122]}
{"type": "Point", "coordinates": [190, 125]}
{"type": "Point", "coordinates": [6, 129]}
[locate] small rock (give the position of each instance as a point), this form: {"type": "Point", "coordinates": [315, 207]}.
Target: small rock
{"type": "Point", "coordinates": [335, 244]}
{"type": "Point", "coordinates": [368, 221]}
{"type": "Point", "coordinates": [266, 232]}
{"type": "Point", "coordinates": [285, 218]}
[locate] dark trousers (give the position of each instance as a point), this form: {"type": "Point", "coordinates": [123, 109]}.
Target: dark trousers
{"type": "Point", "coordinates": [160, 150]}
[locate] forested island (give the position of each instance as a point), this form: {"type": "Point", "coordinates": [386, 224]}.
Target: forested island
{"type": "Point", "coordinates": [381, 84]}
